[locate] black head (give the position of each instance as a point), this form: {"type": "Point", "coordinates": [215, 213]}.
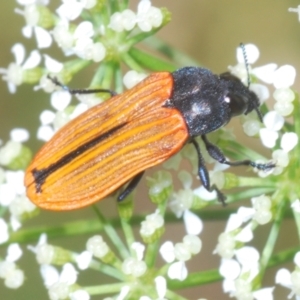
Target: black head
{"type": "Point", "coordinates": [207, 101]}
{"type": "Point", "coordinates": [242, 100]}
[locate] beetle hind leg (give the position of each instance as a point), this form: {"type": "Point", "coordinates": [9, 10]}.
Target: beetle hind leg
{"type": "Point", "coordinates": [131, 186]}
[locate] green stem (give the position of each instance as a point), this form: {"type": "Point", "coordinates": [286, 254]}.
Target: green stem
{"type": "Point", "coordinates": [131, 62]}
{"type": "Point", "coordinates": [195, 279]}
{"type": "Point", "coordinates": [118, 80]}
{"type": "Point", "coordinates": [129, 236]}
{"type": "Point", "coordinates": [269, 247]}
{"type": "Point", "coordinates": [255, 182]}
{"type": "Point", "coordinates": [151, 62]}
{"type": "Point", "coordinates": [238, 151]}
{"type": "Point", "coordinates": [76, 65]}
{"type": "Point", "coordinates": [152, 249]}
{"type": "Point", "coordinates": [109, 75]}
{"type": "Point", "coordinates": [106, 269]}
{"type": "Point", "coordinates": [247, 194]}
{"type": "Point", "coordinates": [112, 234]}
{"type": "Point", "coordinates": [105, 288]}
{"type": "Point", "coordinates": [99, 76]}
{"type": "Point", "coordinates": [92, 226]}
{"type": "Point", "coordinates": [181, 59]}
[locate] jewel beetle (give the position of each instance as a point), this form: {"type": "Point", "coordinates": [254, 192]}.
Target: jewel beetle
{"type": "Point", "coordinates": [113, 143]}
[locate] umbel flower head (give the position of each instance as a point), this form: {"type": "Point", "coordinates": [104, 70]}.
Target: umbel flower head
{"type": "Point", "coordinates": [145, 264]}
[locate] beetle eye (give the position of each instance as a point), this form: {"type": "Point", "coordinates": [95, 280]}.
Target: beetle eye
{"type": "Point", "coordinates": [237, 104]}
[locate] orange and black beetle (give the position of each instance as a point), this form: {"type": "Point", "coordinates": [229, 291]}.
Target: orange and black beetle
{"type": "Point", "coordinates": [116, 141]}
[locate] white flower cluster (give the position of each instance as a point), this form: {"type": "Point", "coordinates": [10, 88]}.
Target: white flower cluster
{"type": "Point", "coordinates": [146, 18]}
{"type": "Point", "coordinates": [290, 280]}
{"type": "Point", "coordinates": [240, 265]}
{"type": "Point", "coordinates": [83, 39]}
{"type": "Point", "coordinates": [282, 79]}
{"type": "Point", "coordinates": [13, 276]}
{"type": "Point", "coordinates": [181, 252]}
{"type": "Point", "coordinates": [152, 223]}
{"type": "Point", "coordinates": [12, 189]}
{"type": "Point", "coordinates": [60, 285]}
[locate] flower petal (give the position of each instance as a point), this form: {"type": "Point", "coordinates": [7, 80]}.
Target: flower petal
{"type": "Point", "coordinates": [43, 37]}
{"type": "Point", "coordinates": [193, 224]}
{"type": "Point", "coordinates": [18, 51]}
{"type": "Point", "coordinates": [33, 60]}
{"type": "Point", "coordinates": [252, 54]}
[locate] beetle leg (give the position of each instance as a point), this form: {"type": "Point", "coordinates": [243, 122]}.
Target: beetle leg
{"type": "Point", "coordinates": [131, 186]}
{"type": "Point", "coordinates": [80, 91]}
{"type": "Point", "coordinates": [217, 154]}
{"type": "Point", "coordinates": [204, 176]}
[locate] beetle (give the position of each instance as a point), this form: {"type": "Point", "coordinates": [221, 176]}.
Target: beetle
{"type": "Point", "coordinates": [114, 142]}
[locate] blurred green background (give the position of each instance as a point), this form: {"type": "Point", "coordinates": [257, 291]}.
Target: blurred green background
{"type": "Point", "coordinates": [209, 31]}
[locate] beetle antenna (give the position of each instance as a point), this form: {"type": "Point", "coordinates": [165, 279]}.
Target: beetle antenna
{"type": "Point", "coordinates": [248, 78]}
{"type": "Point", "coordinates": [246, 63]}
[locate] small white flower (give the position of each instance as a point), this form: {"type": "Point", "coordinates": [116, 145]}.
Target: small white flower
{"type": "Point", "coordinates": [265, 73]}
{"type": "Point", "coordinates": [9, 152]}
{"type": "Point", "coordinates": [193, 243]}
{"type": "Point", "coordinates": [134, 267]}
{"type": "Point", "coordinates": [296, 205]}
{"type": "Point", "coordinates": [14, 73]}
{"type": "Point", "coordinates": [148, 16]}
{"type": "Point", "coordinates": [264, 294]}
{"type": "Point", "coordinates": [97, 246]}
{"type": "Point", "coordinates": [204, 194]}
{"type": "Point", "coordinates": [161, 286]}
{"type": "Point", "coordinates": [84, 259]}
{"type": "Point", "coordinates": [261, 91]}
{"type": "Point", "coordinates": [52, 65]}
{"type": "Point", "coordinates": [284, 77]}
{"type": "Point", "coordinates": [63, 37]}
{"type": "Point", "coordinates": [47, 117]}
{"type": "Point", "coordinates": [14, 183]}
{"type": "Point", "coordinates": [252, 53]}
{"type": "Point", "coordinates": [139, 249]}
{"type": "Point", "coordinates": [290, 280]}
{"type": "Point", "coordinates": [79, 295]}
{"type": "Point", "coordinates": [193, 224]}
{"type": "Point", "coordinates": [21, 205]}
{"type": "Point", "coordinates": [60, 289]}
{"type": "Point", "coordinates": [296, 10]}
{"type": "Point", "coordinates": [14, 252]}
{"type": "Point", "coordinates": [19, 135]}
{"type": "Point", "coordinates": [152, 223]}
{"type": "Point", "coordinates": [178, 271]}
{"type": "Point", "coordinates": [121, 21]}
{"type": "Point", "coordinates": [288, 141]}
{"type": "Point", "coordinates": [45, 133]}
{"type": "Point", "coordinates": [32, 16]}
{"type": "Point", "coordinates": [4, 234]}
{"type": "Point", "coordinates": [132, 78]}
{"type": "Point", "coordinates": [70, 9]}
{"type": "Point", "coordinates": [167, 251]}
{"type": "Point", "coordinates": [262, 206]}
